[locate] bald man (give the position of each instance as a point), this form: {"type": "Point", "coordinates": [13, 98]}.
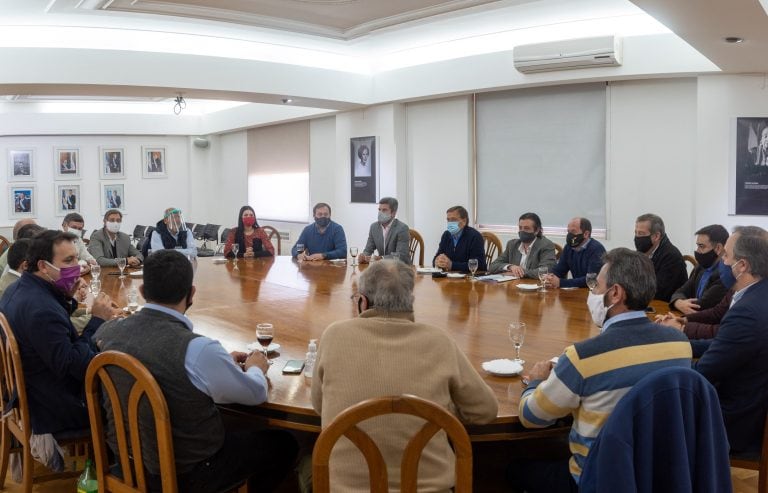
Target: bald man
{"type": "Point", "coordinates": [171, 233]}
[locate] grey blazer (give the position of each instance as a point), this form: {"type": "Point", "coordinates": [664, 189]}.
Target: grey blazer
{"type": "Point", "coordinates": [101, 248]}
{"type": "Point", "coordinates": [542, 254]}
{"type": "Point", "coordinates": [397, 241]}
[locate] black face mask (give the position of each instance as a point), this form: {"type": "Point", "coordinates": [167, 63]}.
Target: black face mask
{"type": "Point", "coordinates": [574, 240]}
{"type": "Point", "coordinates": [643, 243]}
{"type": "Point", "coordinates": [526, 237]}
{"type": "Point", "coordinates": [706, 260]}
{"type": "Point", "coordinates": [323, 221]}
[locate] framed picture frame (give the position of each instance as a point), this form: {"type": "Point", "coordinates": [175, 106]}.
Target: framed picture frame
{"type": "Point", "coordinates": [66, 162]}
{"type": "Point", "coordinates": [22, 201]}
{"type": "Point", "coordinates": [153, 163]}
{"type": "Point", "coordinates": [21, 164]}
{"type": "Point", "coordinates": [363, 170]}
{"type": "Point", "coordinates": [111, 163]}
{"type": "Point", "coordinates": [748, 171]}
{"type": "Point", "coordinates": [113, 196]}
{"type": "Point", "coordinates": [67, 198]}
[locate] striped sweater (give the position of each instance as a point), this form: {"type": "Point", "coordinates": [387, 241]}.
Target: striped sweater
{"type": "Point", "coordinates": [592, 375]}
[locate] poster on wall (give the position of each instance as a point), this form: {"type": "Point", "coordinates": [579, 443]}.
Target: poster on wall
{"type": "Point", "coordinates": [363, 170]}
{"type": "Point", "coordinates": [749, 171]}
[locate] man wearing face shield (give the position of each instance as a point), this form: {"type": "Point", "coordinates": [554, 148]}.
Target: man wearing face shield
{"type": "Point", "coordinates": [172, 234]}
{"type": "Point", "coordinates": [54, 357]}
{"type": "Point", "coordinates": [592, 375]}
{"type": "Point", "coordinates": [109, 243]}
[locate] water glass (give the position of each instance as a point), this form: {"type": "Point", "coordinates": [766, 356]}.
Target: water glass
{"type": "Point", "coordinates": [121, 263]}
{"type": "Point", "coordinates": [353, 252]}
{"type": "Point", "coordinates": [517, 336]}
{"type": "Point", "coordinates": [95, 271]}
{"type": "Point", "coordinates": [133, 299]}
{"type": "Point", "coordinates": [299, 250]}
{"type": "Point", "coordinates": [235, 250]}
{"type": "Point", "coordinates": [543, 271]}
{"type": "Point", "coordinates": [472, 264]}
{"type": "Point", "coordinates": [591, 279]}
{"type": "Point", "coordinates": [95, 287]}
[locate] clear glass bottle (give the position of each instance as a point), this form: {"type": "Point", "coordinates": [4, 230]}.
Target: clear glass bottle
{"type": "Point", "coordinates": [88, 482]}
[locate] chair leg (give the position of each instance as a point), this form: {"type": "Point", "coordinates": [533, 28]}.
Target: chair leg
{"type": "Point", "coordinates": [243, 488]}
{"type": "Point", "coordinates": [28, 467]}
{"type": "Point", "coordinates": [5, 452]}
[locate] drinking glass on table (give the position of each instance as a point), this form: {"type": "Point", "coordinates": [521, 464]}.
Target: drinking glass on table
{"type": "Point", "coordinates": [353, 253]}
{"type": "Point", "coordinates": [95, 271]}
{"type": "Point", "coordinates": [95, 287]}
{"type": "Point", "coordinates": [264, 334]}
{"type": "Point", "coordinates": [517, 336]}
{"type": "Point", "coordinates": [121, 263]}
{"type": "Point", "coordinates": [543, 271]}
{"type": "Point", "coordinates": [591, 279]}
{"type": "Point", "coordinates": [472, 264]}
{"type": "Point", "coordinates": [235, 249]}
{"type": "Point", "coordinates": [299, 251]}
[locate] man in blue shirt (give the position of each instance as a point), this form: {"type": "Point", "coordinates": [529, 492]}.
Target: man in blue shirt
{"type": "Point", "coordinates": [459, 243]}
{"type": "Point", "coordinates": [582, 255]}
{"type": "Point", "coordinates": [322, 240]}
{"type": "Point", "coordinates": [703, 289]}
{"type": "Point", "coordinates": [195, 373]}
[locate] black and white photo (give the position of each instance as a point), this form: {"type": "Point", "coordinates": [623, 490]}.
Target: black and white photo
{"type": "Point", "coordinates": [749, 172]}
{"type": "Point", "coordinates": [363, 169]}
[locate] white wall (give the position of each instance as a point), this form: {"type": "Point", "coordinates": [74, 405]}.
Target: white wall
{"type": "Point", "coordinates": [144, 200]}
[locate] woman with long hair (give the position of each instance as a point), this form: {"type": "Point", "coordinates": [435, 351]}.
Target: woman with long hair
{"type": "Point", "coordinates": [251, 238]}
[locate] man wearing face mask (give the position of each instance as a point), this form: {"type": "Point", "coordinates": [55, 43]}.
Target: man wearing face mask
{"type": "Point", "coordinates": [651, 239]}
{"type": "Point", "coordinates": [593, 375]}
{"type": "Point", "coordinates": [171, 233]}
{"type": "Point", "coordinates": [582, 254]}
{"type": "Point", "coordinates": [703, 288]}
{"type": "Point", "coordinates": [54, 357]}
{"type": "Point", "coordinates": [736, 360]}
{"type": "Point", "coordinates": [524, 255]}
{"type": "Point", "coordinates": [16, 228]}
{"type": "Point", "coordinates": [109, 243]}
{"type": "Point", "coordinates": [194, 373]}
{"type": "Point", "coordinates": [323, 240]}
{"type": "Point", "coordinates": [388, 235]}
{"type": "Point", "coordinates": [459, 243]}
{"type": "Point", "coordinates": [74, 223]}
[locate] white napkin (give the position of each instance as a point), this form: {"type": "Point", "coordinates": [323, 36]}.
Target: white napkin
{"type": "Point", "coordinates": [502, 366]}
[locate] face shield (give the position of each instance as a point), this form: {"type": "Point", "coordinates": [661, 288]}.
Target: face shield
{"type": "Point", "coordinates": [174, 220]}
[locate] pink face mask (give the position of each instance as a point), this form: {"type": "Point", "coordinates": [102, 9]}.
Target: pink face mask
{"type": "Point", "coordinates": [67, 279]}
{"type": "Point", "coordinates": [249, 221]}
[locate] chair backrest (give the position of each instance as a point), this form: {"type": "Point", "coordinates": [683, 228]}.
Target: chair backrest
{"type": "Point", "coordinates": [690, 263]}
{"type": "Point", "coordinates": [98, 381]}
{"type": "Point", "coordinates": [416, 242]}
{"type": "Point", "coordinates": [670, 417]}
{"type": "Point", "coordinates": [225, 234]}
{"type": "Point", "coordinates": [492, 246]}
{"type": "Point", "coordinates": [437, 418]}
{"type": "Point", "coordinates": [12, 386]}
{"type": "Point", "coordinates": [272, 234]}
{"type": "Point", "coordinates": [138, 233]}
{"type": "Point", "coordinates": [757, 463]}
{"type": "Point", "coordinates": [558, 251]}
{"type": "Point", "coordinates": [4, 244]}
{"type": "Point", "coordinates": [211, 232]}
{"type": "Point", "coordinates": [198, 231]}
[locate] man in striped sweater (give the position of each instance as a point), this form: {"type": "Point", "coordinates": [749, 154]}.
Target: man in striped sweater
{"type": "Point", "coordinates": [591, 376]}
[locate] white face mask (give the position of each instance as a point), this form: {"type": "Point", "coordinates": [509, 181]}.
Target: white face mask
{"type": "Point", "coordinates": [113, 226]}
{"type": "Point", "coordinates": [597, 308]}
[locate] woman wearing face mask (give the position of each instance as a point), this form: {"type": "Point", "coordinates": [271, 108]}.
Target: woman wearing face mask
{"type": "Point", "coordinates": [322, 240]}
{"type": "Point", "coordinates": [251, 238]}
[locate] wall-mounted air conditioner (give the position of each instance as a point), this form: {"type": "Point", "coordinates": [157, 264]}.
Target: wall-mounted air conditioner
{"type": "Point", "coordinates": [603, 51]}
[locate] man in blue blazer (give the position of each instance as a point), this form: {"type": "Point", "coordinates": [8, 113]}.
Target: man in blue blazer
{"type": "Point", "coordinates": [459, 243]}
{"type": "Point", "coordinates": [736, 360]}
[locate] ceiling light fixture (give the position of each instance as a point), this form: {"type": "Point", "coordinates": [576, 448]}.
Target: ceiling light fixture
{"type": "Point", "coordinates": [179, 105]}
{"type": "Point", "coordinates": [287, 100]}
{"type": "Point", "coordinates": [733, 39]}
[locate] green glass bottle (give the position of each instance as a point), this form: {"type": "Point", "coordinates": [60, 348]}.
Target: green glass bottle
{"type": "Point", "coordinates": [88, 482]}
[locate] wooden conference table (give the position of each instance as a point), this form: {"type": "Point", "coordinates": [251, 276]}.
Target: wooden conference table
{"type": "Point", "coordinates": [301, 300]}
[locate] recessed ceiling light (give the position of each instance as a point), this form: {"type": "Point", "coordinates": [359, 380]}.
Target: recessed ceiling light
{"type": "Point", "coordinates": [287, 100]}
{"type": "Point", "coordinates": [733, 39]}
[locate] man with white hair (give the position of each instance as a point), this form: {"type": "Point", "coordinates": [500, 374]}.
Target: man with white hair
{"type": "Point", "coordinates": [408, 358]}
{"type": "Point", "coordinates": [172, 233]}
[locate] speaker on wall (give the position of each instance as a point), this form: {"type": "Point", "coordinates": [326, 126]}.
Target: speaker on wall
{"type": "Point", "coordinates": [201, 142]}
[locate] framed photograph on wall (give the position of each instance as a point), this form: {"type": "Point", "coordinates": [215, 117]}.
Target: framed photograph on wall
{"type": "Point", "coordinates": [66, 163]}
{"type": "Point", "coordinates": [153, 162]}
{"type": "Point", "coordinates": [363, 169]}
{"type": "Point", "coordinates": [22, 201]}
{"type": "Point", "coordinates": [21, 165]}
{"type": "Point", "coordinates": [749, 167]}
{"type": "Point", "coordinates": [67, 198]}
{"type": "Point", "coordinates": [113, 196]}
{"type": "Point", "coordinates": [111, 162]}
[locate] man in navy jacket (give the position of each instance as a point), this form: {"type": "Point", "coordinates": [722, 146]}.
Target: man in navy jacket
{"type": "Point", "coordinates": [736, 360]}
{"type": "Point", "coordinates": [460, 243]}
{"type": "Point", "coordinates": [54, 358]}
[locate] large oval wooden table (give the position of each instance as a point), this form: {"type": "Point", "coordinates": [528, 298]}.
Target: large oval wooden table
{"type": "Point", "coordinates": [301, 300]}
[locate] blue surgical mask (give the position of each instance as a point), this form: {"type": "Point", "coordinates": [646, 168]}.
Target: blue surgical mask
{"type": "Point", "coordinates": [453, 227]}
{"type": "Point", "coordinates": [726, 275]}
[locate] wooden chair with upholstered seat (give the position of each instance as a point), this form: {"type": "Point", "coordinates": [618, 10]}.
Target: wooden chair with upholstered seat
{"type": "Point", "coordinates": [272, 233]}
{"type": "Point", "coordinates": [558, 251]}
{"type": "Point", "coordinates": [97, 381]}
{"type": "Point", "coordinates": [492, 247]}
{"type": "Point", "coordinates": [15, 423]}
{"type": "Point", "coordinates": [416, 242]}
{"type": "Point", "coordinates": [757, 463]}
{"type": "Point", "coordinates": [437, 418]}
